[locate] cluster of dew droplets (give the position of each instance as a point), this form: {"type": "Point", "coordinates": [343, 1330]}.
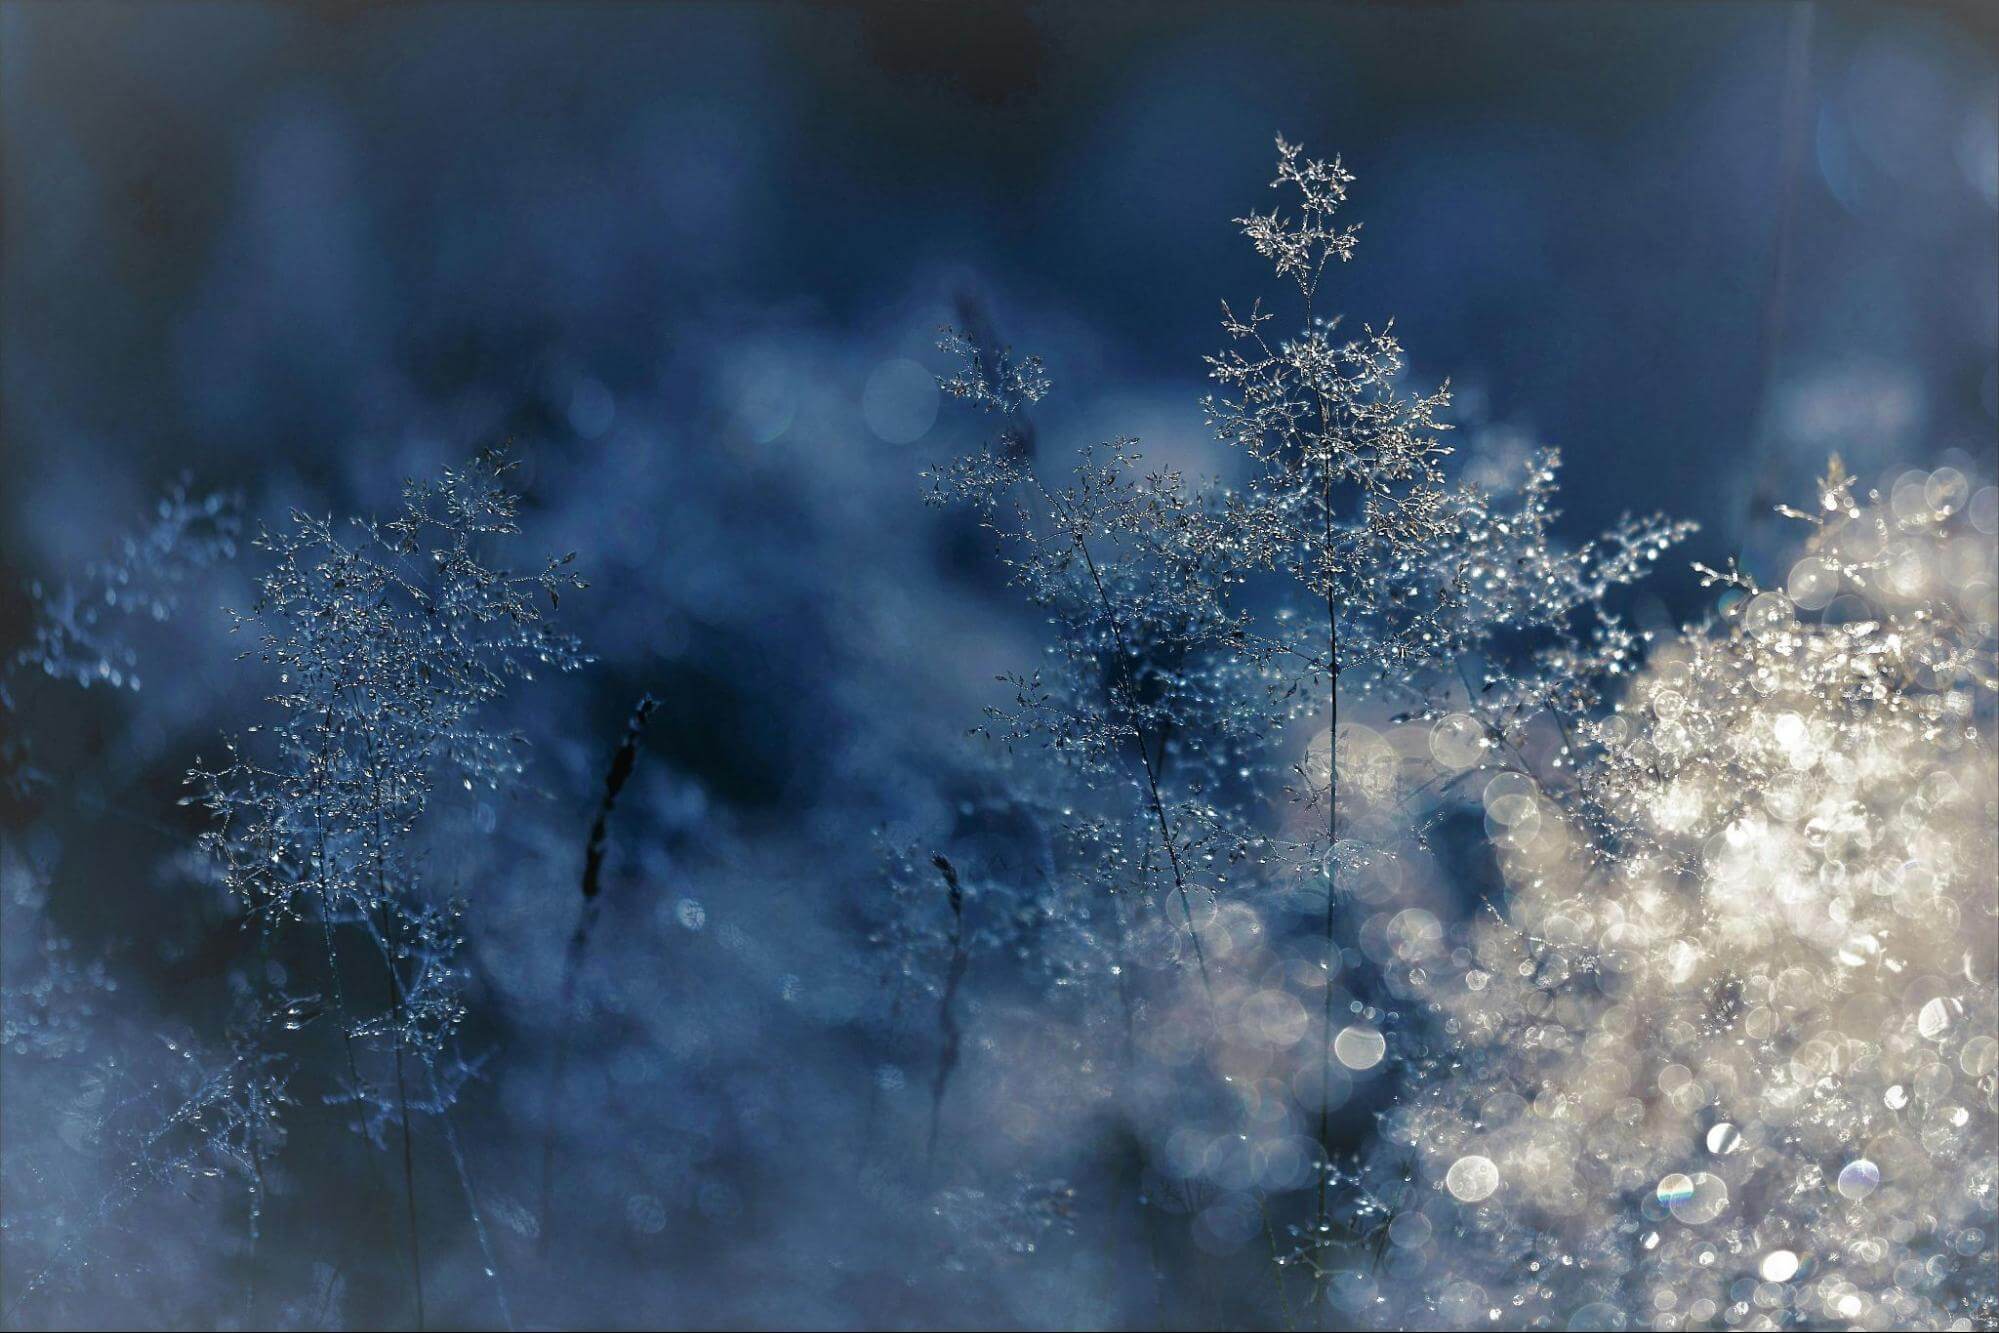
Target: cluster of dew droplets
{"type": "Point", "coordinates": [1760, 1088]}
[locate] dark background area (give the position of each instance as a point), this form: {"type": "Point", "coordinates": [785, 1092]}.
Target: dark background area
{"type": "Point", "coordinates": [242, 237]}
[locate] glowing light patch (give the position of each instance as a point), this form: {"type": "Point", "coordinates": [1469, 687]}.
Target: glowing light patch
{"type": "Point", "coordinates": [1934, 1020]}
{"type": "Point", "coordinates": [1359, 1047]}
{"type": "Point", "coordinates": [1694, 1199]}
{"type": "Point", "coordinates": [1858, 1179]}
{"type": "Point", "coordinates": [1472, 1178]}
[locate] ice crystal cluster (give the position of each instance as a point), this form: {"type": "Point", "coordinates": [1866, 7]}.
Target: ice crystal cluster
{"type": "Point", "coordinates": [1716, 1044]}
{"type": "Point", "coordinates": [1728, 1056]}
{"type": "Point", "coordinates": [385, 641]}
{"type": "Point", "coordinates": [386, 645]}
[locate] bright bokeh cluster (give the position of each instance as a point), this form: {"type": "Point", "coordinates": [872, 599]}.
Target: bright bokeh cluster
{"type": "Point", "coordinates": [1727, 1055]}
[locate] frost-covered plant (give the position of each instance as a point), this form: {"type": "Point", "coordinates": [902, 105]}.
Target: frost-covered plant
{"type": "Point", "coordinates": [48, 990]}
{"type": "Point", "coordinates": [387, 647]}
{"type": "Point", "coordinates": [171, 1112]}
{"type": "Point", "coordinates": [389, 642]}
{"type": "Point", "coordinates": [77, 633]}
{"type": "Point", "coordinates": [163, 1112]}
{"type": "Point", "coordinates": [1731, 1051]}
{"type": "Point", "coordinates": [74, 634]}
{"type": "Point", "coordinates": [1206, 636]}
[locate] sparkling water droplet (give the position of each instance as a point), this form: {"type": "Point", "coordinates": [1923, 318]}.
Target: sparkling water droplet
{"type": "Point", "coordinates": [1472, 1178]}
{"type": "Point", "coordinates": [1859, 1178]}
{"type": "Point", "coordinates": [1934, 1020]}
{"type": "Point", "coordinates": [1359, 1046]}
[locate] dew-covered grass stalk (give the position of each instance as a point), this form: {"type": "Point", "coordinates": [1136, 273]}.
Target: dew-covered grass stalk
{"type": "Point", "coordinates": [623, 761]}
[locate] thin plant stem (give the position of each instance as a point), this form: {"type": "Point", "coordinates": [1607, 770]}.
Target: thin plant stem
{"type": "Point", "coordinates": [950, 1038]}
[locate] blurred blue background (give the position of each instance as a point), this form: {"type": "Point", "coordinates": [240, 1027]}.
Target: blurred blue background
{"type": "Point", "coordinates": [1690, 244]}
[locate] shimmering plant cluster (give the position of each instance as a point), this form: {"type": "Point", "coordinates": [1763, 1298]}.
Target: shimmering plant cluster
{"type": "Point", "coordinates": [387, 645]}
{"type": "Point", "coordinates": [1357, 907]}
{"type": "Point", "coordinates": [171, 1113]}
{"type": "Point", "coordinates": [76, 634]}
{"type": "Point", "coordinates": [1259, 695]}
{"type": "Point", "coordinates": [1727, 1055]}
{"type": "Point", "coordinates": [387, 642]}
{"type": "Point", "coordinates": [73, 638]}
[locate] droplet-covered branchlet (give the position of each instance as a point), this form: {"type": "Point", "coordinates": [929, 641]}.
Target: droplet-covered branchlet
{"type": "Point", "coordinates": [1204, 636]}
{"type": "Point", "coordinates": [386, 644]}
{"type": "Point", "coordinates": [170, 1114]}
{"type": "Point", "coordinates": [73, 634]}
{"type": "Point", "coordinates": [388, 641]}
{"type": "Point", "coordinates": [78, 634]}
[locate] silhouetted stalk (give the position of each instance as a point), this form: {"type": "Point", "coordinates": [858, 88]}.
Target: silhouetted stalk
{"type": "Point", "coordinates": [615, 778]}
{"type": "Point", "coordinates": [949, 1037]}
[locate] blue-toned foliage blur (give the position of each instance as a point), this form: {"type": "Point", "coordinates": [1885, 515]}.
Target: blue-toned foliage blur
{"type": "Point", "coordinates": [686, 266]}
